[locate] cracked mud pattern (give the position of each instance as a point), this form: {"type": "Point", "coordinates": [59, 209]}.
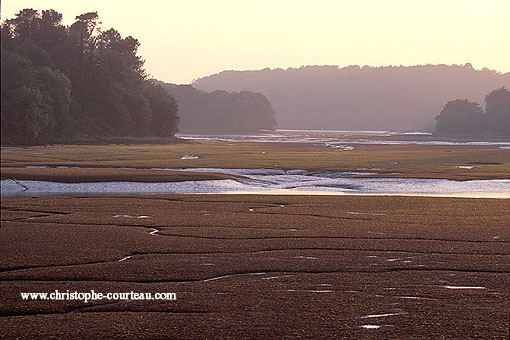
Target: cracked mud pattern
{"type": "Point", "coordinates": [257, 267]}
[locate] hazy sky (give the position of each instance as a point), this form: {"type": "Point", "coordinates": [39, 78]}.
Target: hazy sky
{"type": "Point", "coordinates": [185, 39]}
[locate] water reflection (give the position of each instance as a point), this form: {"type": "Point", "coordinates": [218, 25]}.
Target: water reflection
{"type": "Point", "coordinates": [270, 181]}
{"type": "Point", "coordinates": [342, 140]}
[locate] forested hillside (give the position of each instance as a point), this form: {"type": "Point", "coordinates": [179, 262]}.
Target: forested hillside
{"type": "Point", "coordinates": [222, 111]}
{"type": "Point", "coordinates": [62, 82]}
{"type": "Point", "coordinates": [360, 98]}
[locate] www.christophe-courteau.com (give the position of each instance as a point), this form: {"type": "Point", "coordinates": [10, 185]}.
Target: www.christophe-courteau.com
{"type": "Point", "coordinates": [95, 296]}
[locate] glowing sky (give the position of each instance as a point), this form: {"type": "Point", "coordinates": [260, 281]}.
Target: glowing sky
{"type": "Point", "coordinates": [185, 39]}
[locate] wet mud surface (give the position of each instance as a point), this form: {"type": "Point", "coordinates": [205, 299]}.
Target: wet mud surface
{"type": "Point", "coordinates": [80, 175]}
{"type": "Point", "coordinates": [257, 267]}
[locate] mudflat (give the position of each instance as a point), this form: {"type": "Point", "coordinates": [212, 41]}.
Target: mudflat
{"type": "Point", "coordinates": [255, 266]}
{"type": "Point", "coordinates": [82, 175]}
{"type": "Point", "coordinates": [455, 162]}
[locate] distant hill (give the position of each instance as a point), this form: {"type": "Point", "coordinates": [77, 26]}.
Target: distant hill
{"type": "Point", "coordinates": [354, 98]}
{"type": "Point", "coordinates": [221, 111]}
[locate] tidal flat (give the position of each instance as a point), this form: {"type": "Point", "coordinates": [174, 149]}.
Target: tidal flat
{"type": "Point", "coordinates": [256, 266]}
{"type": "Point", "coordinates": [450, 161]}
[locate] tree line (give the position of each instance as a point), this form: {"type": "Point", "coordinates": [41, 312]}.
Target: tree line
{"type": "Point", "coordinates": [463, 117]}
{"type": "Point", "coordinates": [394, 98]}
{"type": "Point", "coordinates": [63, 82]}
{"type": "Point", "coordinates": [222, 111]}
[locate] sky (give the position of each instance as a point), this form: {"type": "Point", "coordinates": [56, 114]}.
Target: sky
{"type": "Point", "coordinates": [182, 40]}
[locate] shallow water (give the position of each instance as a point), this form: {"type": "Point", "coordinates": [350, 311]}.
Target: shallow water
{"type": "Point", "coordinates": [271, 181]}
{"type": "Point", "coordinates": [341, 140]}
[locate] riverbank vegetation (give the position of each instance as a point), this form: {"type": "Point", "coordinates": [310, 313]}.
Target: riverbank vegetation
{"type": "Point", "coordinates": [76, 82]}
{"type": "Point", "coordinates": [463, 117]}
{"type": "Point", "coordinates": [221, 111]}
{"type": "Point", "coordinates": [81, 84]}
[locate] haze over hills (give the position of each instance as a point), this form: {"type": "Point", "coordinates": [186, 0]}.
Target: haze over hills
{"type": "Point", "coordinates": [360, 98]}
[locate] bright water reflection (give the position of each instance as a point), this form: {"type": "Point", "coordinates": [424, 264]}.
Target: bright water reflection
{"type": "Point", "coordinates": [273, 181]}
{"type": "Point", "coordinates": [342, 140]}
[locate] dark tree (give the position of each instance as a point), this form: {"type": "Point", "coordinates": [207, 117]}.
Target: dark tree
{"type": "Point", "coordinates": [461, 117]}
{"type": "Point", "coordinates": [25, 110]}
{"type": "Point", "coordinates": [63, 82]}
{"type": "Point", "coordinates": [164, 110]}
{"type": "Point", "coordinates": [56, 88]}
{"type": "Point", "coordinates": [497, 107]}
{"type": "Point", "coordinates": [222, 111]}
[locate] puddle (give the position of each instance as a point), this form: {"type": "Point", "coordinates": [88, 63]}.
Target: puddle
{"type": "Point", "coordinates": [275, 277]}
{"type": "Point", "coordinates": [464, 287]}
{"type": "Point", "coordinates": [363, 213]}
{"type": "Point", "coordinates": [414, 298]}
{"type": "Point", "coordinates": [129, 216]}
{"type": "Point", "coordinates": [320, 291]}
{"type": "Point", "coordinates": [371, 326]}
{"type": "Point", "coordinates": [189, 157]}
{"type": "Point", "coordinates": [379, 315]}
{"type": "Point", "coordinates": [126, 258]}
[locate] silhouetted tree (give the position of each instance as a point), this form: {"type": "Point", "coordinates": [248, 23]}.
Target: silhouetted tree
{"type": "Point", "coordinates": [24, 108]}
{"type": "Point", "coordinates": [59, 82]}
{"type": "Point", "coordinates": [497, 107]}
{"type": "Point", "coordinates": [164, 110]}
{"type": "Point", "coordinates": [56, 88]}
{"type": "Point", "coordinates": [222, 111]}
{"type": "Point", "coordinates": [461, 117]}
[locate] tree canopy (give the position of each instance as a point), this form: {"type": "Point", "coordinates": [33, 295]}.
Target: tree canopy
{"type": "Point", "coordinates": [60, 82]}
{"type": "Point", "coordinates": [497, 106]}
{"type": "Point", "coordinates": [392, 98]}
{"type": "Point", "coordinates": [462, 117]}
{"type": "Point", "coordinates": [222, 111]}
